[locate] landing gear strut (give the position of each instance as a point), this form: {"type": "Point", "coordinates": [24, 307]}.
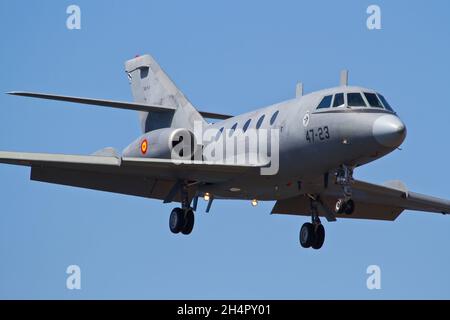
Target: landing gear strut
{"type": "Point", "coordinates": [182, 219]}
{"type": "Point", "coordinates": [312, 234]}
{"type": "Point", "coordinates": [344, 178]}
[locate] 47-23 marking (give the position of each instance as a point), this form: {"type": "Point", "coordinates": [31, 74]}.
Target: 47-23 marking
{"type": "Point", "coordinates": [317, 134]}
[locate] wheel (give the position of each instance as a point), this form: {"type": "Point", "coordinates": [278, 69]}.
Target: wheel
{"type": "Point", "coordinates": [306, 235]}
{"type": "Point", "coordinates": [176, 220]}
{"type": "Point", "coordinates": [340, 206]}
{"type": "Point", "coordinates": [319, 237]}
{"type": "Point", "coordinates": [349, 207]}
{"type": "Point", "coordinates": [189, 222]}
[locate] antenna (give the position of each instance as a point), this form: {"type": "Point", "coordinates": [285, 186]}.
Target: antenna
{"type": "Point", "coordinates": [344, 77]}
{"type": "Point", "coordinates": [299, 90]}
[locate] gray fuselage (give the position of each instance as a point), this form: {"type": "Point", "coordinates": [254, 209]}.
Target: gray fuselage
{"type": "Point", "coordinates": [312, 142]}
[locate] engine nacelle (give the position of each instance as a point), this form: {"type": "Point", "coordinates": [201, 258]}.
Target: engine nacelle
{"type": "Point", "coordinates": [166, 143]}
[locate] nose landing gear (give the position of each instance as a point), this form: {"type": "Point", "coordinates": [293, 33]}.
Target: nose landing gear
{"type": "Point", "coordinates": [344, 178]}
{"type": "Point", "coordinates": [344, 206]}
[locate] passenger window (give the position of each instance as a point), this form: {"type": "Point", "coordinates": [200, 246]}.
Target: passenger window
{"type": "Point", "coordinates": [338, 100]}
{"type": "Point", "coordinates": [274, 117]}
{"type": "Point", "coordinates": [325, 103]}
{"type": "Point", "coordinates": [219, 132]}
{"type": "Point", "coordinates": [260, 121]}
{"type": "Point", "coordinates": [373, 100]}
{"type": "Point", "coordinates": [355, 100]}
{"type": "Point", "coordinates": [246, 125]}
{"type": "Point", "coordinates": [385, 103]}
{"type": "Point", "coordinates": [232, 129]}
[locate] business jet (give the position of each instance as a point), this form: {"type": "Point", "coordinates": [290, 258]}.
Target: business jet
{"type": "Point", "coordinates": [311, 146]}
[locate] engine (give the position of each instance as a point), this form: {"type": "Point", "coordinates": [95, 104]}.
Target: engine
{"type": "Point", "coordinates": [166, 143]}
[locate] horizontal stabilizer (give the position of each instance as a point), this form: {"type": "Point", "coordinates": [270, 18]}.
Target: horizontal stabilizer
{"type": "Point", "coordinates": [113, 104]}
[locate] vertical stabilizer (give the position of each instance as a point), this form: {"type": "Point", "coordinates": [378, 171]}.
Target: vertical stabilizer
{"type": "Point", "coordinates": [150, 84]}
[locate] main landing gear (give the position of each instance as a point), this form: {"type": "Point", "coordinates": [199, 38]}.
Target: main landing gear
{"type": "Point", "coordinates": [344, 178]}
{"type": "Point", "coordinates": [182, 219]}
{"type": "Point", "coordinates": [312, 234]}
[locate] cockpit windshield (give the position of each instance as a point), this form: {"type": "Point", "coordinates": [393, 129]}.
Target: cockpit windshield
{"type": "Point", "coordinates": [385, 103]}
{"type": "Point", "coordinates": [354, 100]}
{"type": "Point", "coordinates": [373, 100]}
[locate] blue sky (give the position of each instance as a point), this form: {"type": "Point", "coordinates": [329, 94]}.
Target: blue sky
{"type": "Point", "coordinates": [226, 56]}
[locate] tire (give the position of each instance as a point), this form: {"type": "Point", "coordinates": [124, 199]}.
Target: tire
{"type": "Point", "coordinates": [189, 222]}
{"type": "Point", "coordinates": [306, 235]}
{"type": "Point", "coordinates": [176, 220]}
{"type": "Point", "coordinates": [349, 207]}
{"type": "Point", "coordinates": [340, 206]}
{"type": "Point", "coordinates": [319, 237]}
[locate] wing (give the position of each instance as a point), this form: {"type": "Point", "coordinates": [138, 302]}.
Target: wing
{"type": "Point", "coordinates": [113, 104]}
{"type": "Point", "coordinates": [372, 201]}
{"type": "Point", "coordinates": [146, 177]}
{"type": "Point", "coordinates": [396, 194]}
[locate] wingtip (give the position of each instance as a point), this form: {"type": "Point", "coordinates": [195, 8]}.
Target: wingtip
{"type": "Point", "coordinates": [17, 93]}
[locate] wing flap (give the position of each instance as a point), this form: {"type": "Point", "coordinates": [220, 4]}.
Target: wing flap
{"type": "Point", "coordinates": [103, 181]}
{"type": "Point", "coordinates": [135, 185]}
{"type": "Point", "coordinates": [300, 205]}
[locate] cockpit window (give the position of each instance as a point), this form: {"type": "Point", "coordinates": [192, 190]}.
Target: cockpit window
{"type": "Point", "coordinates": [355, 100]}
{"type": "Point", "coordinates": [325, 103]}
{"type": "Point", "coordinates": [338, 100]}
{"type": "Point", "coordinates": [385, 103]}
{"type": "Point", "coordinates": [373, 100]}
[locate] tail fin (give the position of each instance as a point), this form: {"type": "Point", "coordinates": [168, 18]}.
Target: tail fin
{"type": "Point", "coordinates": [151, 85]}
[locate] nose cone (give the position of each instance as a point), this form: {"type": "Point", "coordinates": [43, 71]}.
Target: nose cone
{"type": "Point", "coordinates": [389, 131]}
